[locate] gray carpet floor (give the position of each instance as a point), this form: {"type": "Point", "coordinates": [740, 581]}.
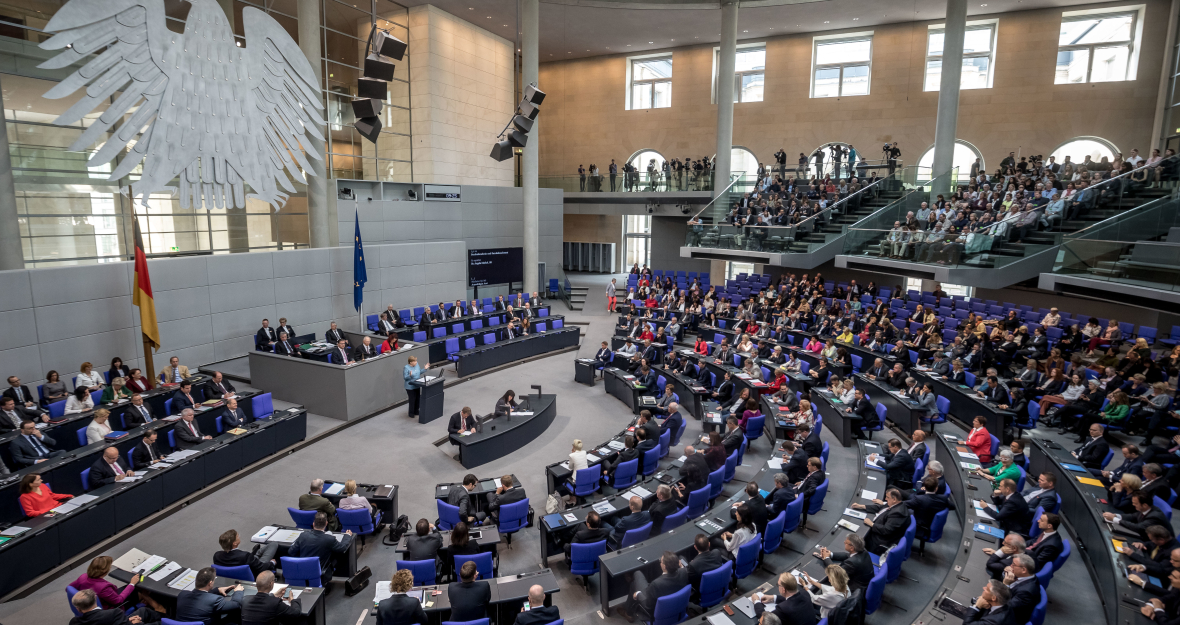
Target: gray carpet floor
{"type": "Point", "coordinates": [392, 448]}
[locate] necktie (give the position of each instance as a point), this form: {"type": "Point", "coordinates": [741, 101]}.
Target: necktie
{"type": "Point", "coordinates": [286, 347]}
{"type": "Point", "coordinates": [20, 396]}
{"type": "Point", "coordinates": [176, 375]}
{"type": "Point", "coordinates": [116, 468]}
{"type": "Point", "coordinates": [12, 417]}
{"type": "Point", "coordinates": [146, 417]}
{"type": "Point", "coordinates": [151, 452]}
{"type": "Point", "coordinates": [1038, 540]}
{"type": "Point", "coordinates": [222, 387]}
{"type": "Point", "coordinates": [344, 355]}
{"type": "Point", "coordinates": [192, 428]}
{"type": "Point", "coordinates": [41, 451]}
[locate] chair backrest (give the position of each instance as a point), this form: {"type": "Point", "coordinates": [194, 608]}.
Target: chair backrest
{"type": "Point", "coordinates": [488, 339]}
{"type": "Point", "coordinates": [754, 427]}
{"type": "Point", "coordinates": [665, 442]}
{"type": "Point", "coordinates": [715, 585]}
{"type": "Point", "coordinates": [817, 500]}
{"type": "Point", "coordinates": [747, 557]}
{"type": "Point", "coordinates": [1045, 575]}
{"type": "Point", "coordinates": [774, 533]}
{"type": "Point", "coordinates": [636, 535]}
{"type": "Point", "coordinates": [586, 480]}
{"type": "Point", "coordinates": [514, 516]}
{"type": "Point", "coordinates": [452, 345]}
{"type": "Point", "coordinates": [1163, 505]}
{"type": "Point", "coordinates": [672, 609]}
{"type": "Point", "coordinates": [651, 460]}
{"type": "Point", "coordinates": [483, 563]}
{"type": "Point", "coordinates": [730, 465]}
{"type": "Point", "coordinates": [262, 406]}
{"type": "Point", "coordinates": [698, 501]}
{"type": "Point", "coordinates": [448, 515]}
{"type": "Point", "coordinates": [625, 474]}
{"type": "Point", "coordinates": [823, 455]}
{"type": "Point", "coordinates": [81, 437]}
{"type": "Point", "coordinates": [358, 520]}
{"type": "Point", "coordinates": [302, 571]}
{"type": "Point", "coordinates": [995, 449]}
{"type": "Point", "coordinates": [423, 570]}
{"type": "Point", "coordinates": [584, 557]}
{"type": "Point", "coordinates": [716, 482]}
{"type": "Point", "coordinates": [919, 469]}
{"type": "Point", "coordinates": [242, 572]}
{"type": "Point", "coordinates": [675, 520]}
{"type": "Point", "coordinates": [1065, 551]}
{"type": "Point", "coordinates": [875, 590]}
{"type": "Point", "coordinates": [893, 559]}
{"type": "Point", "coordinates": [302, 518]}
{"type": "Point", "coordinates": [937, 525]}
{"type": "Point", "coordinates": [86, 479]}
{"type": "Point", "coordinates": [420, 336]}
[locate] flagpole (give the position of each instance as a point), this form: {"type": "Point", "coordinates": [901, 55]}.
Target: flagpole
{"type": "Point", "coordinates": [360, 313]}
{"type": "Point", "coordinates": [149, 361]}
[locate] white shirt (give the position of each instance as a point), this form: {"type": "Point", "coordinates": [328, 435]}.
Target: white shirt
{"type": "Point", "coordinates": [91, 379]}
{"type": "Point", "coordinates": [73, 406]}
{"type": "Point", "coordinates": [577, 462]}
{"type": "Point", "coordinates": [96, 431]}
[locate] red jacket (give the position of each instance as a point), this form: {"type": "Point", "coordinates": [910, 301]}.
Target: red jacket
{"type": "Point", "coordinates": [980, 444]}
{"type": "Point", "coordinates": [701, 348]}
{"type": "Point", "coordinates": [36, 505]}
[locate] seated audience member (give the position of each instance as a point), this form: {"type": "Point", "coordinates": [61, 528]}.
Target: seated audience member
{"type": "Point", "coordinates": [1008, 508]}
{"type": "Point", "coordinates": [642, 596]}
{"type": "Point", "coordinates": [469, 598]}
{"type": "Point", "coordinates": [999, 559]}
{"type": "Point", "coordinates": [461, 499]}
{"type": "Point", "coordinates": [206, 604]}
{"type": "Point", "coordinates": [90, 378]}
{"type": "Point", "coordinates": [95, 580]}
{"type": "Point", "coordinates": [183, 397]}
{"type": "Point", "coordinates": [54, 390]}
{"type": "Point", "coordinates": [267, 607]}
{"type": "Point", "coordinates": [138, 413]}
{"type": "Point", "coordinates": [1092, 453]}
{"type": "Point", "coordinates": [317, 544]}
{"type": "Point", "coordinates": [11, 415]}
{"type": "Point", "coordinates": [979, 440]}
{"type": "Point", "coordinates": [219, 388]}
{"type": "Point", "coordinates": [898, 465]}
{"type": "Point", "coordinates": [830, 595]}
{"type": "Point", "coordinates": [1048, 544]}
{"type": "Point", "coordinates": [705, 558]}
{"type": "Point", "coordinates": [108, 469]}
{"type": "Point", "coordinates": [537, 613]}
{"type": "Point", "coordinates": [1145, 516]}
{"type": "Point", "coordinates": [333, 335]}
{"type": "Point", "coordinates": [400, 608]}
{"type": "Point", "coordinates": [991, 607]}
{"type": "Point", "coordinates": [32, 446]}
{"type": "Point", "coordinates": [266, 336]}
{"type": "Point", "coordinates": [314, 499]}
{"type": "Point", "coordinates": [234, 417]}
{"type": "Point", "coordinates": [783, 494]}
{"type": "Point", "coordinates": [888, 524]}
{"type": "Point", "coordinates": [352, 501]}
{"type": "Point", "coordinates": [138, 383]}
{"type": "Point", "coordinates": [116, 392]}
{"type": "Point", "coordinates": [592, 531]}
{"type": "Point", "coordinates": [284, 347]}
{"type": "Point", "coordinates": [35, 496]}
{"type": "Point", "coordinates": [638, 518]}
{"type": "Point", "coordinates": [174, 373]}
{"type": "Point", "coordinates": [854, 560]}
{"type": "Point", "coordinates": [461, 543]}
{"type": "Point", "coordinates": [146, 453]}
{"type": "Point", "coordinates": [791, 605]}
{"type": "Point", "coordinates": [79, 402]}
{"type": "Point", "coordinates": [86, 603]}
{"type": "Point", "coordinates": [628, 453]}
{"type": "Point", "coordinates": [188, 431]}
{"type": "Point", "coordinates": [663, 506]}
{"type": "Point", "coordinates": [365, 350]}
{"type": "Point", "coordinates": [742, 534]}
{"type": "Point", "coordinates": [424, 543]}
{"type": "Point", "coordinates": [99, 426]}
{"type": "Point", "coordinates": [22, 399]}
{"type": "Point", "coordinates": [261, 558]}
{"type": "Point", "coordinates": [508, 492]}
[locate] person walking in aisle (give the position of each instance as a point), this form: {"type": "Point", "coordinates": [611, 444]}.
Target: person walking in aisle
{"type": "Point", "coordinates": [610, 296]}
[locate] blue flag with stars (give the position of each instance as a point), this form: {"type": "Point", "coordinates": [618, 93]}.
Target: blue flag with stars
{"type": "Point", "coordinates": [359, 275]}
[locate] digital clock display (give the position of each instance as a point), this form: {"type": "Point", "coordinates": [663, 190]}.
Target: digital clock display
{"type": "Point", "coordinates": [442, 193]}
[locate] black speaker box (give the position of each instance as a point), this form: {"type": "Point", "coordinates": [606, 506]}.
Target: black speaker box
{"type": "Point", "coordinates": [394, 48]}
{"type": "Point", "coordinates": [528, 109]}
{"type": "Point", "coordinates": [366, 107]}
{"type": "Point", "coordinates": [522, 123]}
{"type": "Point", "coordinates": [534, 95]}
{"type": "Point", "coordinates": [517, 138]}
{"type": "Point", "coordinates": [376, 67]}
{"type": "Point", "coordinates": [369, 127]}
{"type": "Point", "coordinates": [372, 88]}
{"type": "Point", "coordinates": [502, 151]}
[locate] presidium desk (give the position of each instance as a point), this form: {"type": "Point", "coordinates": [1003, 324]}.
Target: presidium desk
{"type": "Point", "coordinates": [503, 435]}
{"type": "Point", "coordinates": [344, 392]}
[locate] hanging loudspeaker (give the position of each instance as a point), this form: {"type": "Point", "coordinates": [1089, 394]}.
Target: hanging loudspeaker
{"type": "Point", "coordinates": [502, 151]}
{"type": "Point", "coordinates": [528, 110]}
{"type": "Point", "coordinates": [371, 88]}
{"type": "Point", "coordinates": [369, 127]}
{"type": "Point", "coordinates": [533, 95]}
{"type": "Point", "coordinates": [522, 123]}
{"type": "Point", "coordinates": [517, 138]}
{"type": "Point", "coordinates": [376, 67]}
{"type": "Point", "coordinates": [390, 46]}
{"type": "Point", "coordinates": [366, 107]}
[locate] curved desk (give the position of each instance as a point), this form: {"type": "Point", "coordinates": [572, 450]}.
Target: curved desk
{"type": "Point", "coordinates": [501, 436]}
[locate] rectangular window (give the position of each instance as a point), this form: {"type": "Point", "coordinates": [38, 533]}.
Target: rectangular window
{"type": "Point", "coordinates": [915, 284]}
{"type": "Point", "coordinates": [650, 83]}
{"type": "Point", "coordinates": [1098, 46]}
{"type": "Point", "coordinates": [637, 239]}
{"type": "Point", "coordinates": [841, 67]}
{"type": "Point", "coordinates": [733, 270]}
{"type": "Point", "coordinates": [749, 76]}
{"type": "Point", "coordinates": [978, 56]}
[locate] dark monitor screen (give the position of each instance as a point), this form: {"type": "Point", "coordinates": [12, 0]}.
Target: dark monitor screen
{"type": "Point", "coordinates": [495, 266]}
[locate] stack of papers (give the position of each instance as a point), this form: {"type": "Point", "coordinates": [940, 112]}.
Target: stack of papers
{"type": "Point", "coordinates": [164, 572]}
{"type": "Point", "coordinates": [869, 494]}
{"type": "Point", "coordinates": [65, 508]}
{"type": "Point", "coordinates": [335, 489]}
{"type": "Point", "coordinates": [616, 445]}
{"type": "Point", "coordinates": [846, 524]}
{"type": "Point", "coordinates": [131, 560]}
{"type": "Point", "coordinates": [15, 530]}
{"type": "Point", "coordinates": [185, 581]}
{"type": "Point", "coordinates": [969, 455]}
{"type": "Point", "coordinates": [970, 466]}
{"type": "Point", "coordinates": [603, 507]}
{"type": "Point", "coordinates": [856, 514]}
{"type": "Point", "coordinates": [775, 463]}
{"type": "Point", "coordinates": [263, 534]}
{"type": "Point", "coordinates": [285, 536]}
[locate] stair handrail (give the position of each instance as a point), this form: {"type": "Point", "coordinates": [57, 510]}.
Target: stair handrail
{"type": "Point", "coordinates": [1093, 228]}
{"type": "Point", "coordinates": [736, 177]}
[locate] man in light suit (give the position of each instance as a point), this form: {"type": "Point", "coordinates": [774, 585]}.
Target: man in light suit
{"type": "Point", "coordinates": [205, 604]}
{"type": "Point", "coordinates": [188, 433]}
{"type": "Point", "coordinates": [365, 350]}
{"type": "Point", "coordinates": [234, 417]}
{"type": "Point", "coordinates": [174, 372]}
{"type": "Point", "coordinates": [138, 413]}
{"type": "Point", "coordinates": [334, 335]}
{"type": "Point", "coordinates": [340, 355]}
{"type": "Point", "coordinates": [32, 446]}
{"type": "Point", "coordinates": [146, 453]}
{"type": "Point", "coordinates": [108, 469]}
{"type": "Point", "coordinates": [219, 387]}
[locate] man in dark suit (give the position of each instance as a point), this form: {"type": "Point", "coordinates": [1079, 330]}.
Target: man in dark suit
{"type": "Point", "coordinates": [758, 514]}
{"type": "Point", "coordinates": [878, 370]}
{"type": "Point", "coordinates": [783, 494]}
{"type": "Point", "coordinates": [234, 417]}
{"type": "Point", "coordinates": [146, 453]}
{"type": "Point", "coordinates": [940, 365]}
{"type": "Point", "coordinates": [108, 469]}
{"type": "Point", "coordinates": [991, 608]}
{"type": "Point", "coordinates": [917, 449]}
{"type": "Point", "coordinates": [897, 376]}
{"type": "Point", "coordinates": [86, 602]}
{"type": "Point", "coordinates": [1132, 464]}
{"type": "Point", "coordinates": [994, 393]}
{"type": "Point", "coordinates": [138, 413]}
{"type": "Point", "coordinates": [23, 400]}
{"type": "Point", "coordinates": [999, 559]}
{"type": "Point", "coordinates": [1009, 509]}
{"type": "Point", "coordinates": [898, 465]}
{"type": "Point", "coordinates": [1025, 589]}
{"type": "Point", "coordinates": [460, 497]}
{"type": "Point", "coordinates": [694, 474]}
{"type": "Point", "coordinates": [286, 327]}
{"type": "Point", "coordinates": [664, 506]}
{"type": "Point", "coordinates": [926, 504]}
{"type": "Point", "coordinates": [724, 390]}
{"type": "Point", "coordinates": [266, 608]}
{"type": "Point", "coordinates": [1154, 557]}
{"type": "Point", "coordinates": [1092, 454]}
{"type": "Point", "coordinates": [673, 422]}
{"type": "Point", "coordinates": [314, 543]}
{"type": "Point", "coordinates": [469, 598]}
{"type": "Point", "coordinates": [183, 398]}
{"type": "Point", "coordinates": [642, 596]}
{"type": "Point", "coordinates": [284, 346]}
{"type": "Point", "coordinates": [259, 560]}
{"type": "Point", "coordinates": [500, 304]}
{"type": "Point", "coordinates": [400, 608]}
{"type": "Point", "coordinates": [794, 462]}
{"type": "Point", "coordinates": [218, 387]}
{"type": "Point", "coordinates": [365, 350]}
{"type": "Point", "coordinates": [733, 437]}
{"type": "Point", "coordinates": [538, 613]}
{"type": "Point", "coordinates": [1048, 544]}
{"type": "Point", "coordinates": [815, 477]}
{"type": "Point", "coordinates": [1154, 482]}
{"type": "Point", "coordinates": [628, 453]}
{"type": "Point", "coordinates": [638, 518]}
{"type": "Point", "coordinates": [11, 415]}
{"type": "Point", "coordinates": [602, 357]}
{"type": "Point", "coordinates": [505, 494]}
{"type": "Point", "coordinates": [790, 604]}
{"type": "Point", "coordinates": [854, 560]}
{"type": "Point", "coordinates": [204, 604]}
{"type": "Point", "coordinates": [334, 335]}
{"type": "Point", "coordinates": [706, 559]}
{"type": "Point", "coordinates": [889, 525]}
{"type": "Point", "coordinates": [32, 446]}
{"type": "Point", "coordinates": [592, 531]}
{"type": "Point", "coordinates": [1045, 496]}
{"type": "Point", "coordinates": [387, 326]}
{"type": "Point", "coordinates": [863, 409]}
{"type": "Point", "coordinates": [266, 336]}
{"type": "Point", "coordinates": [424, 543]}
{"type": "Point", "coordinates": [812, 444]}
{"type": "Point", "coordinates": [1146, 515]}
{"type": "Point", "coordinates": [460, 423]}
{"type": "Point", "coordinates": [188, 433]}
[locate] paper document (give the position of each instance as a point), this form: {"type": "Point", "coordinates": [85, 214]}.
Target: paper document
{"type": "Point", "coordinates": [263, 534]}
{"type": "Point", "coordinates": [130, 560]}
{"type": "Point", "coordinates": [846, 524]}
{"type": "Point", "coordinates": [523, 414]}
{"type": "Point", "coordinates": [682, 459]}
{"type": "Point", "coordinates": [775, 463]}
{"type": "Point", "coordinates": [616, 445]}
{"type": "Point", "coordinates": [151, 564]}
{"type": "Point", "coordinates": [15, 530]}
{"type": "Point", "coordinates": [335, 489]}
{"type": "Point", "coordinates": [285, 536]}
{"type": "Point", "coordinates": [82, 500]}
{"type": "Point", "coordinates": [967, 454]}
{"type": "Point", "coordinates": [185, 581]}
{"type": "Point", "coordinates": [497, 482]}
{"type": "Point", "coordinates": [131, 478]}
{"type": "Point", "coordinates": [65, 508]}
{"type": "Point", "coordinates": [572, 518]}
{"type": "Point", "coordinates": [856, 514]}
{"type": "Point", "coordinates": [719, 619]}
{"type": "Point", "coordinates": [868, 494]}
{"type": "Point", "coordinates": [603, 507]}
{"type": "Point", "coordinates": [383, 592]}
{"type": "Point", "coordinates": [590, 459]}
{"type": "Point", "coordinates": [164, 572]}
{"type": "Point", "coordinates": [1089, 480]}
{"type": "Point", "coordinates": [970, 466]}
{"type": "Point", "coordinates": [641, 492]}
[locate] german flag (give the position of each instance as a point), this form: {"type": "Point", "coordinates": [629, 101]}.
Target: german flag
{"type": "Point", "coordinates": [142, 292]}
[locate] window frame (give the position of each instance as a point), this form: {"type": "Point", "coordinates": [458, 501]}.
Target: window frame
{"type": "Point", "coordinates": [990, 55]}
{"type": "Point", "coordinates": [745, 47]}
{"type": "Point", "coordinates": [651, 82]}
{"type": "Point", "coordinates": [1133, 44]}
{"type": "Point", "coordinates": [638, 237]}
{"type": "Point", "coordinates": [819, 40]}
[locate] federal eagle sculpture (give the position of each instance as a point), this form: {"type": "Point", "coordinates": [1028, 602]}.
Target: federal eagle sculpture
{"type": "Point", "coordinates": [214, 114]}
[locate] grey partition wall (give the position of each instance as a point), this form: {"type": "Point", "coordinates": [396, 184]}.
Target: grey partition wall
{"type": "Point", "coordinates": [591, 257]}
{"type": "Point", "coordinates": [208, 307]}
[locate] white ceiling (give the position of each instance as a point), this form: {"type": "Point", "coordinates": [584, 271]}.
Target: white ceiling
{"type": "Point", "coordinates": [581, 28]}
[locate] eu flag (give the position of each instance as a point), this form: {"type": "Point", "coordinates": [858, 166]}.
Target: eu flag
{"type": "Point", "coordinates": [359, 275]}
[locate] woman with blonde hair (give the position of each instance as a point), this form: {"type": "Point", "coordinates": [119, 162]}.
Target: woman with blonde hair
{"type": "Point", "coordinates": [99, 427]}
{"type": "Point", "coordinates": [353, 501]}
{"type": "Point", "coordinates": [89, 378]}
{"type": "Point", "coordinates": [828, 596]}
{"type": "Point", "coordinates": [115, 392]}
{"type": "Point", "coordinates": [577, 462]}
{"type": "Point", "coordinates": [1122, 491]}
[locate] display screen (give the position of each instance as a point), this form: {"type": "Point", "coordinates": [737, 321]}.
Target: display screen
{"type": "Point", "coordinates": [495, 266]}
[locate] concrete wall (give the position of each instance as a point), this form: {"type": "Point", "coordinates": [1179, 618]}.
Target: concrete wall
{"type": "Point", "coordinates": [585, 120]}
{"type": "Point", "coordinates": [667, 235]}
{"type": "Point", "coordinates": [461, 95]}
{"type": "Point", "coordinates": [208, 307]}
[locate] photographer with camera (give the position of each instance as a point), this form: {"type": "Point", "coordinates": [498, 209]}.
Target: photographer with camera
{"type": "Point", "coordinates": [780, 161]}
{"type": "Point", "coordinates": [891, 153]}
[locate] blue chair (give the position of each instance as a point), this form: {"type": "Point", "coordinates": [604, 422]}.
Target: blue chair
{"type": "Point", "coordinates": [625, 474]}
{"type": "Point", "coordinates": [675, 520]}
{"type": "Point", "coordinates": [172, 439]}
{"type": "Point", "coordinates": [935, 532]}
{"type": "Point", "coordinates": [168, 407]}
{"type": "Point", "coordinates": [1038, 615]}
{"type": "Point", "coordinates": [584, 559]}
{"type": "Point", "coordinates": [875, 591]}
{"type": "Point", "coordinates": [57, 409]}
{"type": "Point", "coordinates": [420, 337]}
{"type": "Point", "coordinates": [303, 571]}
{"type": "Point", "coordinates": [1045, 575]}
{"type": "Point", "coordinates": [730, 466]}
{"type": "Point", "coordinates": [242, 572]}
{"type": "Point", "coordinates": [586, 481]}
{"type": "Point", "coordinates": [716, 482]}
{"type": "Point", "coordinates": [96, 396]}
{"type": "Point", "coordinates": [741, 451]}
{"type": "Point", "coordinates": [513, 518]}
{"type": "Point", "coordinates": [424, 571]}
{"type": "Point", "coordinates": [636, 535]}
{"type": "Point", "coordinates": [359, 521]}
{"type": "Point", "coordinates": [754, 428]}
{"type": "Point", "coordinates": [882, 411]}
{"type": "Point", "coordinates": [82, 437]}
{"type": "Point", "coordinates": [672, 609]}
{"type": "Point", "coordinates": [665, 443]}
{"type": "Point", "coordinates": [651, 461]}
{"type": "Point", "coordinates": [823, 455]}
{"type": "Point", "coordinates": [698, 501]}
{"type": "Point", "coordinates": [747, 557]}
{"type": "Point", "coordinates": [919, 469]}
{"type": "Point", "coordinates": [302, 518]}
{"type": "Point", "coordinates": [793, 515]}
{"type": "Point", "coordinates": [86, 479]}
{"type": "Point", "coordinates": [483, 563]}
{"type": "Point", "coordinates": [774, 533]}
{"type": "Point", "coordinates": [1036, 531]}
{"type": "Point", "coordinates": [944, 408]}
{"type": "Point", "coordinates": [679, 431]}
{"type": "Point", "coordinates": [1163, 505]}
{"type": "Point", "coordinates": [452, 348]}
{"type": "Point", "coordinates": [488, 339]}
{"type": "Point", "coordinates": [817, 500]}
{"type": "Point", "coordinates": [715, 585]}
{"type": "Point", "coordinates": [1065, 551]}
{"type": "Point", "coordinates": [893, 559]}
{"type": "Point", "coordinates": [448, 515]}
{"type": "Point", "coordinates": [261, 406]}
{"type": "Point", "coordinates": [995, 449]}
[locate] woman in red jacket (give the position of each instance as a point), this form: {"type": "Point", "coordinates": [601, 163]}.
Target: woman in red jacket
{"type": "Point", "coordinates": [780, 380]}
{"type": "Point", "coordinates": [36, 498]}
{"type": "Point", "coordinates": [979, 441]}
{"type": "Point", "coordinates": [702, 346]}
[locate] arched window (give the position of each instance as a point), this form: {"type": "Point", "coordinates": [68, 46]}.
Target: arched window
{"type": "Point", "coordinates": [963, 157]}
{"type": "Point", "coordinates": [641, 159]}
{"type": "Point", "coordinates": [828, 161]}
{"type": "Point", "coordinates": [1078, 148]}
{"type": "Point", "coordinates": [743, 161]}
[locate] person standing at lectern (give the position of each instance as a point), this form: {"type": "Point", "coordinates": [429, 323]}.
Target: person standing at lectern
{"type": "Point", "coordinates": [412, 372]}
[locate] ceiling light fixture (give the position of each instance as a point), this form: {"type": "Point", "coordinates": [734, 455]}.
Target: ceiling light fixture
{"type": "Point", "coordinates": [827, 22]}
{"type": "Point", "coordinates": [745, 31]}
{"type": "Point", "coordinates": [651, 42]}
{"type": "Point", "coordinates": [855, 19]}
